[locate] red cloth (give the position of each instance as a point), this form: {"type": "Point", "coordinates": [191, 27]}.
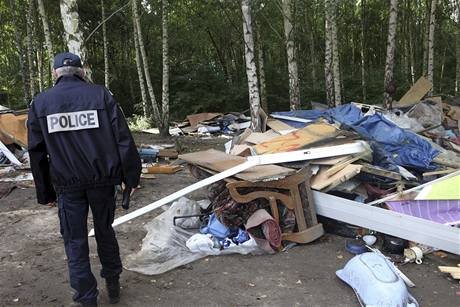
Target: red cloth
{"type": "Point", "coordinates": [271, 230]}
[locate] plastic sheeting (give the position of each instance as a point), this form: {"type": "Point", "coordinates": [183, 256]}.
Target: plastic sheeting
{"type": "Point", "coordinates": [164, 247]}
{"type": "Point", "coordinates": [396, 146]}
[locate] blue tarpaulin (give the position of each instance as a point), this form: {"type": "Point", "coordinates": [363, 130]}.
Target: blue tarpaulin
{"type": "Point", "coordinates": [393, 145]}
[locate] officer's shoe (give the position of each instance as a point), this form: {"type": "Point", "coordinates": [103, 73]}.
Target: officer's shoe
{"type": "Point", "coordinates": [113, 289]}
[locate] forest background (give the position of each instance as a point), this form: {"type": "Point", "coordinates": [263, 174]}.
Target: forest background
{"type": "Point", "coordinates": [195, 52]}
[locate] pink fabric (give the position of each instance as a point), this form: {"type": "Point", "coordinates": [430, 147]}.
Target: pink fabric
{"type": "Point", "coordinates": [270, 229]}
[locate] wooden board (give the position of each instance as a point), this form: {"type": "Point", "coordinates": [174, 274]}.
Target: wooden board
{"type": "Point", "coordinates": [374, 170]}
{"type": "Point", "coordinates": [163, 169]}
{"type": "Point", "coordinates": [322, 180]}
{"type": "Point", "coordinates": [416, 92]}
{"type": "Point", "coordinates": [241, 150]}
{"type": "Point", "coordinates": [330, 161]}
{"type": "Point", "coordinates": [219, 161]}
{"type": "Point", "coordinates": [168, 153]}
{"type": "Point", "coordinates": [13, 129]}
{"type": "Point", "coordinates": [279, 127]}
{"type": "Point", "coordinates": [260, 137]}
{"type": "Point", "coordinates": [195, 119]}
{"type": "Point", "coordinates": [297, 139]}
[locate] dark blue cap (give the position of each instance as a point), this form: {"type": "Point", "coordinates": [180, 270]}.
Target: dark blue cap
{"type": "Point", "coordinates": [66, 59]}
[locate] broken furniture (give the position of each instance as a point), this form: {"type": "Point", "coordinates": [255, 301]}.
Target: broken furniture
{"type": "Point", "coordinates": [289, 192]}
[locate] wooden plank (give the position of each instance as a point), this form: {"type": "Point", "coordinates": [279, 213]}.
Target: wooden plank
{"type": "Point", "coordinates": [241, 150]}
{"type": "Point", "coordinates": [416, 92]}
{"type": "Point", "coordinates": [446, 171]}
{"type": "Point", "coordinates": [449, 269]}
{"type": "Point", "coordinates": [168, 153]}
{"type": "Point", "coordinates": [322, 180]}
{"type": "Point", "coordinates": [219, 161]}
{"type": "Point", "coordinates": [296, 139]}
{"type": "Point", "coordinates": [331, 171]}
{"type": "Point", "coordinates": [195, 119]}
{"type": "Point", "coordinates": [163, 169]}
{"type": "Point", "coordinates": [374, 170]}
{"type": "Point", "coordinates": [260, 137]}
{"type": "Point", "coordinates": [330, 161]}
{"type": "Point", "coordinates": [279, 126]}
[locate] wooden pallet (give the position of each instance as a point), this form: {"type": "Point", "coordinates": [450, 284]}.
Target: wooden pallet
{"type": "Point", "coordinates": [452, 270]}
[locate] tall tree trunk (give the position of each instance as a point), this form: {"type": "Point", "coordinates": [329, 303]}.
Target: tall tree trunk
{"type": "Point", "coordinates": [457, 74]}
{"type": "Point", "coordinates": [140, 74]}
{"type": "Point", "coordinates": [48, 42]}
{"type": "Point", "coordinates": [311, 38]}
{"type": "Point", "coordinates": [411, 46]}
{"type": "Point", "coordinates": [426, 37]}
{"type": "Point", "coordinates": [288, 18]}
{"type": "Point", "coordinates": [164, 126]}
{"type": "Point", "coordinates": [251, 70]}
{"type": "Point", "coordinates": [156, 110]}
{"type": "Point", "coordinates": [19, 49]}
{"type": "Point", "coordinates": [431, 41]}
{"type": "Point", "coordinates": [329, 82]}
{"type": "Point", "coordinates": [389, 86]}
{"type": "Point", "coordinates": [261, 66]}
{"type": "Point", "coordinates": [30, 48]}
{"type": "Point", "coordinates": [104, 39]}
{"type": "Point", "coordinates": [441, 75]}
{"type": "Point", "coordinates": [40, 70]}
{"type": "Point", "coordinates": [335, 55]}
{"type": "Point", "coordinates": [363, 49]}
{"type": "Point", "coordinates": [73, 32]}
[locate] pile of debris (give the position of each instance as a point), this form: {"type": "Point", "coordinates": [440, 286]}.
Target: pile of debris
{"type": "Point", "coordinates": [14, 159]}
{"type": "Point", "coordinates": [369, 174]}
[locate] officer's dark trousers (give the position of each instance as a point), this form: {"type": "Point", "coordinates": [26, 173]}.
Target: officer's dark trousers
{"type": "Point", "coordinates": [73, 214]}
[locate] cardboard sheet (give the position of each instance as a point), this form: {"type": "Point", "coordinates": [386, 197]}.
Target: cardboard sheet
{"type": "Point", "coordinates": [279, 126]}
{"type": "Point", "coordinates": [297, 139]}
{"type": "Point", "coordinates": [322, 181]}
{"type": "Point", "coordinates": [219, 161]}
{"type": "Point", "coordinates": [13, 129]}
{"type": "Point", "coordinates": [195, 119]}
{"type": "Point", "coordinates": [260, 137]}
{"type": "Point", "coordinates": [416, 92]}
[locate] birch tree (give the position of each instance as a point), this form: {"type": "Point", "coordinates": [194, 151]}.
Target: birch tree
{"type": "Point", "coordinates": [164, 126]}
{"type": "Point", "coordinates": [30, 49]}
{"type": "Point", "coordinates": [251, 70]}
{"type": "Point", "coordinates": [47, 33]}
{"type": "Point", "coordinates": [329, 82]}
{"type": "Point", "coordinates": [261, 71]}
{"type": "Point", "coordinates": [335, 54]}
{"type": "Point", "coordinates": [288, 22]}
{"type": "Point", "coordinates": [457, 71]}
{"type": "Point", "coordinates": [431, 41]}
{"type": "Point", "coordinates": [389, 63]}
{"type": "Point", "coordinates": [363, 49]}
{"type": "Point", "coordinates": [104, 39]}
{"type": "Point", "coordinates": [19, 50]}
{"type": "Point", "coordinates": [73, 32]}
{"type": "Point", "coordinates": [140, 74]}
{"type": "Point", "coordinates": [155, 107]}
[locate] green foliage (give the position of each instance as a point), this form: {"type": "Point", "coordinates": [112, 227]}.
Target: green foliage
{"type": "Point", "coordinates": [139, 123]}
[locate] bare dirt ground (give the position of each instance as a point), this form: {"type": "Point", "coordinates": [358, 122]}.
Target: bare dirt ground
{"type": "Point", "coordinates": [33, 270]}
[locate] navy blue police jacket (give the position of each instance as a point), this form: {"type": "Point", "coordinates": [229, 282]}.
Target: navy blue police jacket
{"type": "Point", "coordinates": [78, 139]}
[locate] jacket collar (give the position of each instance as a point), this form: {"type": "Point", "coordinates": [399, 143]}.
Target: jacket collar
{"type": "Point", "coordinates": [69, 78]}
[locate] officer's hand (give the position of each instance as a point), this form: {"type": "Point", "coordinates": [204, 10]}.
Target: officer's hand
{"type": "Point", "coordinates": [51, 204]}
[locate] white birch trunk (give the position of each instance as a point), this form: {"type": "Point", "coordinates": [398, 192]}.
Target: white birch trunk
{"type": "Point", "coordinates": [30, 49]}
{"type": "Point", "coordinates": [457, 75]}
{"type": "Point", "coordinates": [391, 45]}
{"type": "Point", "coordinates": [156, 111]}
{"type": "Point", "coordinates": [19, 49]}
{"type": "Point", "coordinates": [294, 91]}
{"type": "Point", "coordinates": [73, 33]}
{"type": "Point", "coordinates": [329, 82]}
{"type": "Point", "coordinates": [46, 31]}
{"type": "Point", "coordinates": [40, 70]}
{"type": "Point", "coordinates": [251, 70]}
{"type": "Point", "coordinates": [104, 38]}
{"type": "Point", "coordinates": [431, 41]}
{"type": "Point", "coordinates": [140, 74]}
{"type": "Point", "coordinates": [261, 66]}
{"type": "Point", "coordinates": [363, 49]}
{"type": "Point", "coordinates": [164, 127]}
{"type": "Point", "coordinates": [335, 55]}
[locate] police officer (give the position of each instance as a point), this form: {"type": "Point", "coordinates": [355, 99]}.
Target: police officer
{"type": "Point", "coordinates": [80, 147]}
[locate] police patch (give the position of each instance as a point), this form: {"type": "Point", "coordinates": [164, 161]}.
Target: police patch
{"type": "Point", "coordinates": [72, 121]}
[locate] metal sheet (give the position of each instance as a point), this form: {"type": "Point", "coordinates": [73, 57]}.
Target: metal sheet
{"type": "Point", "coordinates": [385, 221]}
